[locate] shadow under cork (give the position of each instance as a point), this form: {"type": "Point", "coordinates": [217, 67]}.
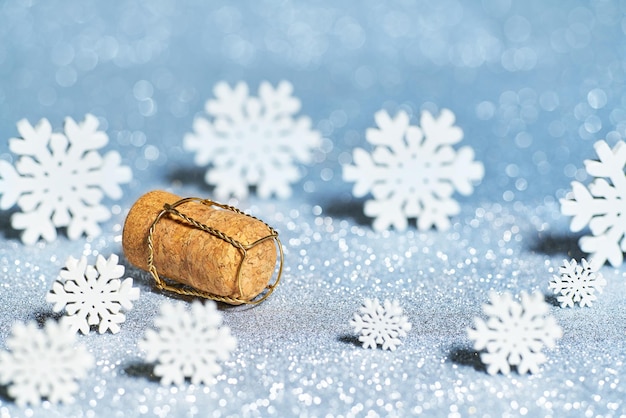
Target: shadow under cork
{"type": "Point", "coordinates": [146, 283]}
{"type": "Point", "coordinates": [141, 278]}
{"type": "Point", "coordinates": [467, 357]}
{"type": "Point", "coordinates": [557, 244]}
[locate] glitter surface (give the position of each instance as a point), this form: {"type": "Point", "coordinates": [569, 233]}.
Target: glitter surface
{"type": "Point", "coordinates": [532, 85]}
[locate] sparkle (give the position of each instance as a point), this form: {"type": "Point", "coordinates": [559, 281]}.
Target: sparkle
{"type": "Point", "coordinates": [533, 87]}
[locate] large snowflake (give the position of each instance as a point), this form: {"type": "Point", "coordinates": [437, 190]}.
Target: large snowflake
{"type": "Point", "coordinates": [577, 283]}
{"type": "Point", "coordinates": [514, 333]}
{"type": "Point", "coordinates": [60, 179]}
{"type": "Point", "coordinates": [601, 205]}
{"type": "Point", "coordinates": [43, 363]}
{"type": "Point", "coordinates": [413, 171]}
{"type": "Point", "coordinates": [189, 344]}
{"type": "Point", "coordinates": [252, 141]}
{"type": "Point", "coordinates": [380, 324]}
{"type": "Point", "coordinates": [93, 295]}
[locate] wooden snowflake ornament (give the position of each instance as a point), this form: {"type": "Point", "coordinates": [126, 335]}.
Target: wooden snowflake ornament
{"type": "Point", "coordinates": [60, 179]}
{"type": "Point", "coordinates": [93, 295]}
{"type": "Point", "coordinates": [188, 343]}
{"type": "Point", "coordinates": [252, 141]}
{"type": "Point", "coordinates": [601, 206]}
{"type": "Point", "coordinates": [413, 171]}
{"type": "Point", "coordinates": [380, 324]}
{"type": "Point", "coordinates": [577, 283]}
{"type": "Point", "coordinates": [43, 363]}
{"type": "Point", "coordinates": [514, 333]}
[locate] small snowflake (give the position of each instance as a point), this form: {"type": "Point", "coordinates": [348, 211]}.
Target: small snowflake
{"type": "Point", "coordinates": [93, 295]}
{"type": "Point", "coordinates": [413, 171]}
{"type": "Point", "coordinates": [577, 284]}
{"type": "Point", "coordinates": [601, 205]}
{"type": "Point", "coordinates": [60, 179]}
{"type": "Point", "coordinates": [252, 141]}
{"type": "Point", "coordinates": [43, 363]}
{"type": "Point", "coordinates": [380, 324]}
{"type": "Point", "coordinates": [188, 344]}
{"type": "Point", "coordinates": [514, 333]}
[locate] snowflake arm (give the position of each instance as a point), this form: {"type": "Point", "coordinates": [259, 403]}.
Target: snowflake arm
{"type": "Point", "coordinates": [413, 171]}
{"type": "Point", "coordinates": [60, 179]}
{"type": "Point", "coordinates": [188, 344]}
{"type": "Point", "coordinates": [387, 213]}
{"type": "Point", "coordinates": [43, 363]}
{"type": "Point", "coordinates": [601, 206]}
{"type": "Point", "coordinates": [380, 324]}
{"type": "Point", "coordinates": [252, 141]}
{"type": "Point", "coordinates": [93, 295]}
{"type": "Point", "coordinates": [464, 171]}
{"type": "Point", "coordinates": [577, 284]}
{"type": "Point", "coordinates": [514, 333]}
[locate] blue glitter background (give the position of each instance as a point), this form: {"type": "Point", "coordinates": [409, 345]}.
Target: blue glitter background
{"type": "Point", "coordinates": [533, 85]}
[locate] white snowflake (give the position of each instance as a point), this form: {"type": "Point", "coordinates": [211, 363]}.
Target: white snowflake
{"type": "Point", "coordinates": [577, 283]}
{"type": "Point", "coordinates": [380, 324]}
{"type": "Point", "coordinates": [43, 363]}
{"type": "Point", "coordinates": [602, 206]}
{"type": "Point", "coordinates": [252, 141]}
{"type": "Point", "coordinates": [93, 295]}
{"type": "Point", "coordinates": [188, 344]}
{"type": "Point", "coordinates": [60, 179]}
{"type": "Point", "coordinates": [413, 171]}
{"type": "Point", "coordinates": [514, 333]}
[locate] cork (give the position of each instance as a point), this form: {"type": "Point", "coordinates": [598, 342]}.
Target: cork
{"type": "Point", "coordinates": [194, 257]}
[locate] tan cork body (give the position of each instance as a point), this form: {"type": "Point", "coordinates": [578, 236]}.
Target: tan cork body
{"type": "Point", "coordinates": [194, 257]}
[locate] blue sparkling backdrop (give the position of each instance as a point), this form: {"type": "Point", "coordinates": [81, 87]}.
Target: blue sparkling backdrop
{"type": "Point", "coordinates": [533, 84]}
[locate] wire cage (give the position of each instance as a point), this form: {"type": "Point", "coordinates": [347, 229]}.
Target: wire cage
{"type": "Point", "coordinates": [170, 210]}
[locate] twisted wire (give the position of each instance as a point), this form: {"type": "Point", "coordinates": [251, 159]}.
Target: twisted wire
{"type": "Point", "coordinates": [187, 291]}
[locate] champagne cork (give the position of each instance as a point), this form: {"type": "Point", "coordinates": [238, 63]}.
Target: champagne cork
{"type": "Point", "coordinates": [212, 263]}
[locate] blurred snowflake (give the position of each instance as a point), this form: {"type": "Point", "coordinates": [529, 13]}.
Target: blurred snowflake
{"type": "Point", "coordinates": [188, 344]}
{"type": "Point", "coordinates": [514, 333]}
{"type": "Point", "coordinates": [380, 324]}
{"type": "Point", "coordinates": [93, 295]}
{"type": "Point", "coordinates": [252, 141]}
{"type": "Point", "coordinates": [43, 363]}
{"type": "Point", "coordinates": [413, 171]}
{"type": "Point", "coordinates": [577, 283]}
{"type": "Point", "coordinates": [60, 179]}
{"type": "Point", "coordinates": [601, 205]}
